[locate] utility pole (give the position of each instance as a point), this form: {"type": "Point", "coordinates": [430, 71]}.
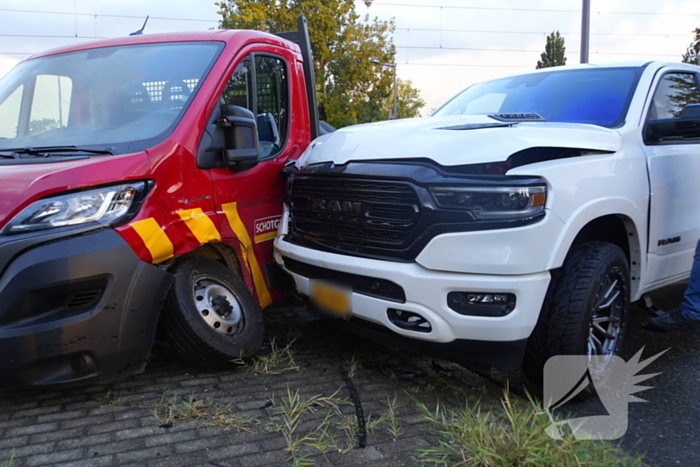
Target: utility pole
{"type": "Point", "coordinates": [585, 29]}
{"type": "Point", "coordinates": [394, 114]}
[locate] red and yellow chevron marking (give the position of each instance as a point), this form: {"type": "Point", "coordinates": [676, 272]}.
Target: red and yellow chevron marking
{"type": "Point", "coordinates": [201, 225]}
{"type": "Point", "coordinates": [239, 228]}
{"type": "Point", "coordinates": [159, 245]}
{"type": "Point", "coordinates": [155, 240]}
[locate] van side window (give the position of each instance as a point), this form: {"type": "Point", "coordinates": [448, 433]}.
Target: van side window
{"type": "Point", "coordinates": [239, 89]}
{"type": "Point", "coordinates": [675, 91]}
{"type": "Point", "coordinates": [266, 94]}
{"type": "Point", "coordinates": [272, 103]}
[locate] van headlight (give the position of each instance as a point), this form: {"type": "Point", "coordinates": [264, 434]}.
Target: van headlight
{"type": "Point", "coordinates": [104, 206]}
{"type": "Point", "coordinates": [493, 203]}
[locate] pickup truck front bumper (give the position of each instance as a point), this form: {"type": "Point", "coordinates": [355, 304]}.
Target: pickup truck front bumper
{"type": "Point", "coordinates": [490, 340]}
{"type": "Point", "coordinates": [75, 308]}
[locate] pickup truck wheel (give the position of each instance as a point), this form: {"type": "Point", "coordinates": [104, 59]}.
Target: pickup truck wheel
{"type": "Point", "coordinates": [584, 313]}
{"type": "Point", "coordinates": [210, 316]}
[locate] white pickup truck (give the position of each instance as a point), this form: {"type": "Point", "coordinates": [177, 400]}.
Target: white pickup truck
{"type": "Point", "coordinates": [515, 223]}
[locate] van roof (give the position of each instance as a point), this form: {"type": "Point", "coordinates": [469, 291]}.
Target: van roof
{"type": "Point", "coordinates": [220, 35]}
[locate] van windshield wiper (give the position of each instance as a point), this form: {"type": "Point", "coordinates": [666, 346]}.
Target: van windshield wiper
{"type": "Point", "coordinates": [45, 151]}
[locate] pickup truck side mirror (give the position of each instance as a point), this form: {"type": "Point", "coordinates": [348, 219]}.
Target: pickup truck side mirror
{"type": "Point", "coordinates": [241, 151]}
{"type": "Point", "coordinates": [685, 126]}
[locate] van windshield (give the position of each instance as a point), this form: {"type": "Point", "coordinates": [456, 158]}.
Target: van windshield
{"type": "Point", "coordinates": [127, 98]}
{"type": "Point", "coordinates": [598, 96]}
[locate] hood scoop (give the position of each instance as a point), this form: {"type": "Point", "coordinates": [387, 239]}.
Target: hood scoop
{"type": "Point", "coordinates": [518, 117]}
{"type": "Point", "coordinates": [476, 126]}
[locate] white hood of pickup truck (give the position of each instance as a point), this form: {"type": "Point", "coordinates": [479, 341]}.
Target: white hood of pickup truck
{"type": "Point", "coordinates": [426, 138]}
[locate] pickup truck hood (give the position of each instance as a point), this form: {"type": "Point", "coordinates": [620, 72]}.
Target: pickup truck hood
{"type": "Point", "coordinates": [455, 140]}
{"type": "Point", "coordinates": [23, 184]}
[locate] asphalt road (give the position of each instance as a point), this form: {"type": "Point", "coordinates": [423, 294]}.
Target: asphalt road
{"type": "Point", "coordinates": [667, 427]}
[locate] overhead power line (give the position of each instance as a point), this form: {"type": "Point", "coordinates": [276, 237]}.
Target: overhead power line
{"type": "Point", "coordinates": [524, 50]}
{"type": "Point", "coordinates": [107, 16]}
{"type": "Point", "coordinates": [461, 65]}
{"type": "Point", "coordinates": [53, 37]}
{"type": "Point", "coordinates": [481, 31]}
{"type": "Point", "coordinates": [539, 10]}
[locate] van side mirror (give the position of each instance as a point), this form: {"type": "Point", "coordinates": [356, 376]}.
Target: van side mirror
{"type": "Point", "coordinates": [241, 150]}
{"type": "Point", "coordinates": [685, 126]}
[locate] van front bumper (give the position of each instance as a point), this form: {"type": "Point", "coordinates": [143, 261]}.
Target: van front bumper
{"type": "Point", "coordinates": [426, 292]}
{"type": "Point", "coordinates": [75, 308]}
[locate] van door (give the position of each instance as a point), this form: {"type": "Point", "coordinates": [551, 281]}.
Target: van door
{"type": "Point", "coordinates": [250, 202]}
{"type": "Point", "coordinates": [674, 176]}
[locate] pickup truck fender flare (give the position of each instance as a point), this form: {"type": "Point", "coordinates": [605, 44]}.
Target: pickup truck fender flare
{"type": "Point", "coordinates": [621, 208]}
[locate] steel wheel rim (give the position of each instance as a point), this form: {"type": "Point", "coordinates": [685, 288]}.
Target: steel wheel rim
{"type": "Point", "coordinates": [217, 306]}
{"type": "Point", "coordinates": [605, 327]}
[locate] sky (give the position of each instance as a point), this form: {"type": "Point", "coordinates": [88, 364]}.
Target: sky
{"type": "Point", "coordinates": [443, 46]}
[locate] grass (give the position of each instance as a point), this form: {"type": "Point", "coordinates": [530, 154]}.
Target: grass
{"type": "Point", "coordinates": [170, 409]}
{"type": "Point", "coordinates": [111, 401]}
{"type": "Point", "coordinates": [278, 360]}
{"type": "Point", "coordinates": [513, 435]}
{"type": "Point", "coordinates": [11, 461]}
{"type": "Point", "coordinates": [334, 427]}
{"type": "Point", "coordinates": [353, 367]}
{"type": "Point", "coordinates": [288, 411]}
{"type": "Point", "coordinates": [393, 420]}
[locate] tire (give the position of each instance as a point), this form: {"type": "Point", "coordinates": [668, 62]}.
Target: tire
{"type": "Point", "coordinates": [591, 276]}
{"type": "Point", "coordinates": [203, 294]}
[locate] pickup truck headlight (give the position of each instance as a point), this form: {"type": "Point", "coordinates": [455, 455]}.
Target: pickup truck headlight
{"type": "Point", "coordinates": [103, 206]}
{"type": "Point", "coordinates": [493, 203]}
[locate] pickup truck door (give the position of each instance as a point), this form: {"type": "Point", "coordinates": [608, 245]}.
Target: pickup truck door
{"type": "Point", "coordinates": [674, 177]}
{"type": "Point", "coordinates": [265, 79]}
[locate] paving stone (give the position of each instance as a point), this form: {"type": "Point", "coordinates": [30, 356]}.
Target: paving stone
{"type": "Point", "coordinates": [80, 427]}
{"type": "Point", "coordinates": [113, 426]}
{"type": "Point", "coordinates": [175, 438]}
{"type": "Point", "coordinates": [144, 454]}
{"type": "Point", "coordinates": [54, 457]}
{"type": "Point", "coordinates": [98, 461]}
{"type": "Point", "coordinates": [81, 441]}
{"type": "Point", "coordinates": [30, 429]}
{"type": "Point", "coordinates": [182, 460]}
{"type": "Point", "coordinates": [91, 421]}
{"type": "Point", "coordinates": [58, 435]}
{"type": "Point", "coordinates": [13, 442]}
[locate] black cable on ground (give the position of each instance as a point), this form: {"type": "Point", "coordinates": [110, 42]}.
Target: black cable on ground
{"type": "Point", "coordinates": [361, 426]}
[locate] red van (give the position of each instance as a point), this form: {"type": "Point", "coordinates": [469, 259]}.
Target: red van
{"type": "Point", "coordinates": [139, 174]}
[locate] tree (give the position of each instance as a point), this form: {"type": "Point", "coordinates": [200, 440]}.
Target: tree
{"type": "Point", "coordinates": [350, 88]}
{"type": "Point", "coordinates": [691, 56]}
{"type": "Point", "coordinates": [554, 52]}
{"type": "Point", "coordinates": [409, 100]}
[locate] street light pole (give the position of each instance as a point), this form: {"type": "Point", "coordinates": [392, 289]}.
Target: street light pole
{"type": "Point", "coordinates": [585, 29]}
{"type": "Point", "coordinates": [393, 114]}
{"type": "Point", "coordinates": [396, 97]}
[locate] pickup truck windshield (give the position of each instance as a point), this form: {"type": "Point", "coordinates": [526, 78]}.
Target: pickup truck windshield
{"type": "Point", "coordinates": [127, 98]}
{"type": "Point", "coordinates": [598, 96]}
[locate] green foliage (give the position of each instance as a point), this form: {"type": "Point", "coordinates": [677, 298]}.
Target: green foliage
{"type": "Point", "coordinates": [685, 92]}
{"type": "Point", "coordinates": [350, 88]}
{"type": "Point", "coordinates": [691, 56]}
{"type": "Point", "coordinates": [41, 125]}
{"type": "Point", "coordinates": [409, 100]}
{"type": "Point", "coordinates": [513, 436]}
{"type": "Point", "coordinates": [554, 52]}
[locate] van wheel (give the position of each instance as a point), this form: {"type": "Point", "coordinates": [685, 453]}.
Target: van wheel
{"type": "Point", "coordinates": [584, 313]}
{"type": "Point", "coordinates": [210, 316]}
